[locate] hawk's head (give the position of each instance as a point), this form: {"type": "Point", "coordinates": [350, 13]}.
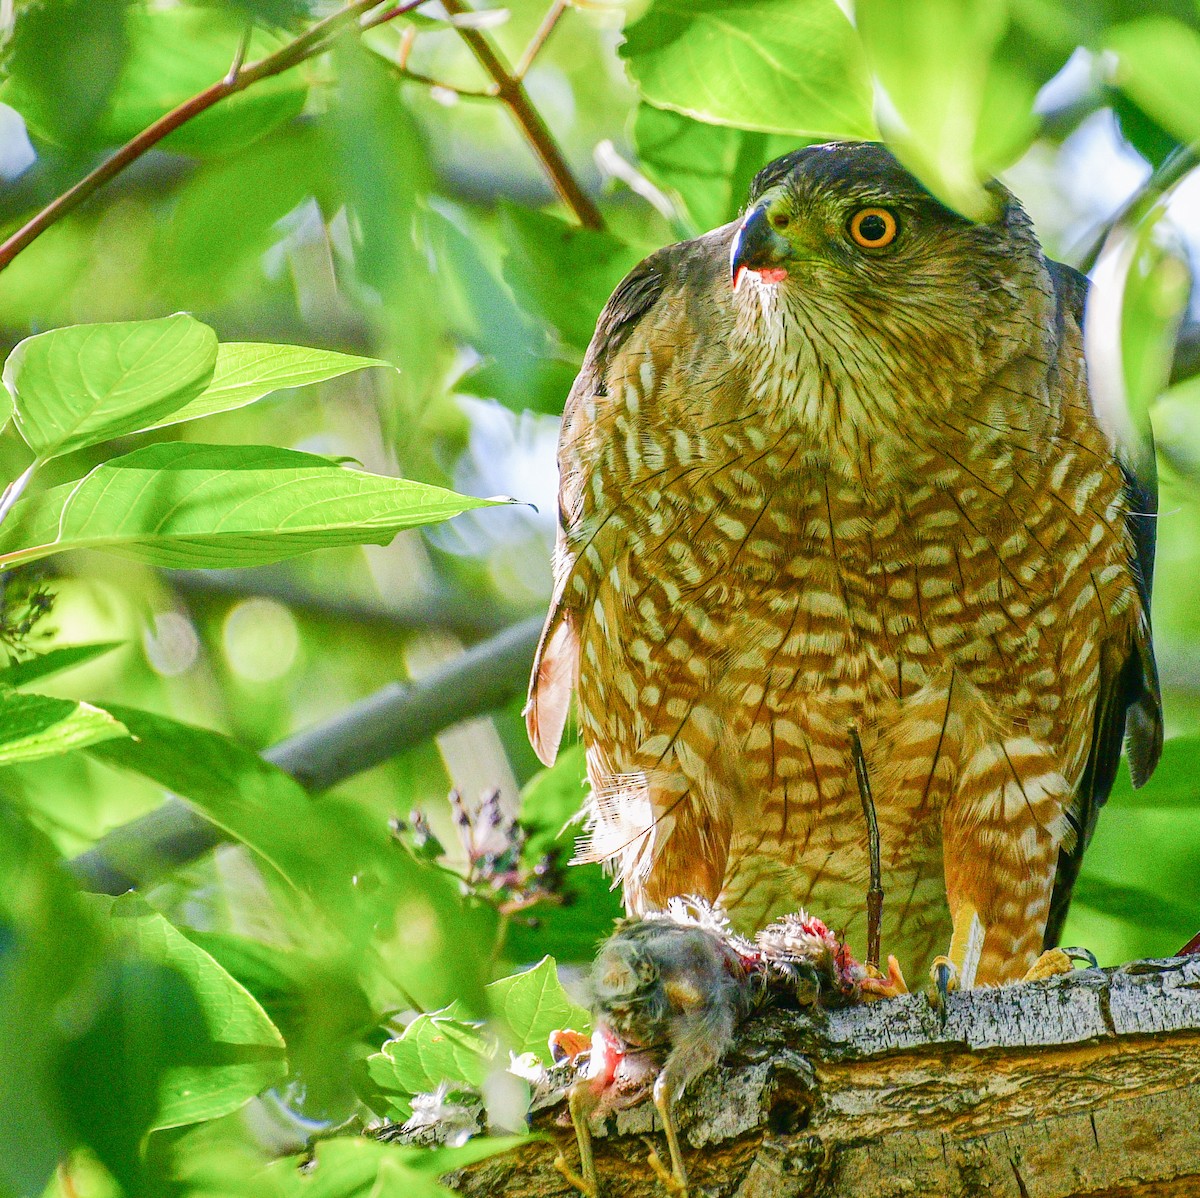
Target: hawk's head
{"type": "Point", "coordinates": [850, 276]}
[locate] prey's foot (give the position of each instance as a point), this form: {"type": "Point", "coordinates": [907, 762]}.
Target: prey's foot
{"type": "Point", "coordinates": [585, 1187]}
{"type": "Point", "coordinates": [1058, 960]}
{"type": "Point", "coordinates": [943, 974]}
{"type": "Point", "coordinates": [672, 1182]}
{"type": "Point", "coordinates": [878, 985]}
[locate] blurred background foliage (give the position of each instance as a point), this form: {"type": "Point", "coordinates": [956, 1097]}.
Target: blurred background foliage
{"type": "Point", "coordinates": [456, 191]}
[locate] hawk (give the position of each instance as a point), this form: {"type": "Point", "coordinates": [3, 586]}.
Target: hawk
{"type": "Point", "coordinates": [830, 478]}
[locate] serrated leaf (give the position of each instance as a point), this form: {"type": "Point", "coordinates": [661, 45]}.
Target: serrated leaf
{"type": "Point", "coordinates": [249, 1052]}
{"type": "Point", "coordinates": [529, 1006]}
{"type": "Point", "coordinates": [54, 661]}
{"type": "Point", "coordinates": [246, 371]}
{"type": "Point", "coordinates": [777, 66]}
{"type": "Point", "coordinates": [88, 383]}
{"type": "Point", "coordinates": [189, 505]}
{"type": "Point", "coordinates": [34, 726]}
{"type": "Point", "coordinates": [435, 1049]}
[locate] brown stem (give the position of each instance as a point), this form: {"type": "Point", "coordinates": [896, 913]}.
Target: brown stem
{"type": "Point", "coordinates": [544, 30]}
{"type": "Point", "coordinates": [313, 41]}
{"type": "Point", "coordinates": [875, 891]}
{"type": "Point", "coordinates": [511, 91]}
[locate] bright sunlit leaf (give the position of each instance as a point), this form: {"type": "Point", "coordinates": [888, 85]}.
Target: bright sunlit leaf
{"type": "Point", "coordinates": [186, 505]}
{"type": "Point", "coordinates": [529, 1006]}
{"type": "Point", "coordinates": [778, 66]}
{"type": "Point", "coordinates": [92, 382]}
{"type": "Point", "coordinates": [246, 371]}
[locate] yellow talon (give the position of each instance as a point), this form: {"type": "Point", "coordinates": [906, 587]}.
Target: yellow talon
{"type": "Point", "coordinates": [1055, 961]}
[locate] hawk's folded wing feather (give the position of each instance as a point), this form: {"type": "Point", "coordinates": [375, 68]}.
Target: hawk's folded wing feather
{"type": "Point", "coordinates": [556, 662]}
{"type": "Point", "coordinates": [1128, 708]}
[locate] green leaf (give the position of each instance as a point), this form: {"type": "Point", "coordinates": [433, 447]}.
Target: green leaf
{"type": "Point", "coordinates": [61, 85]}
{"type": "Point", "coordinates": [561, 273]}
{"type": "Point", "coordinates": [54, 661]}
{"type": "Point", "coordinates": [959, 111]}
{"type": "Point", "coordinates": [48, 948]}
{"type": "Point", "coordinates": [252, 800]}
{"type": "Point", "coordinates": [706, 168]}
{"type": "Point", "coordinates": [91, 382]}
{"type": "Point", "coordinates": [552, 799]}
{"type": "Point", "coordinates": [186, 505]}
{"type": "Point", "coordinates": [434, 1049]}
{"type": "Point", "coordinates": [363, 894]}
{"type": "Point", "coordinates": [246, 371]}
{"type": "Point", "coordinates": [34, 726]}
{"type": "Point", "coordinates": [357, 1167]}
{"type": "Point", "coordinates": [248, 1053]}
{"type": "Point", "coordinates": [178, 51]}
{"type": "Point", "coordinates": [529, 1006]}
{"type": "Point", "coordinates": [778, 66]}
{"type": "Point", "coordinates": [1140, 297]}
{"type": "Point", "coordinates": [1158, 67]}
{"type": "Point", "coordinates": [571, 930]}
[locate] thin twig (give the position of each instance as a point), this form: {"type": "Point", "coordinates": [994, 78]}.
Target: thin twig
{"type": "Point", "coordinates": [1173, 168]}
{"type": "Point", "coordinates": [16, 489]}
{"type": "Point", "coordinates": [875, 891]}
{"type": "Point", "coordinates": [394, 719]}
{"type": "Point", "coordinates": [511, 91]}
{"type": "Point", "coordinates": [539, 39]}
{"type": "Point", "coordinates": [310, 43]}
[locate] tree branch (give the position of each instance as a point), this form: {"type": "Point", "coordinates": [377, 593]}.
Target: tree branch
{"type": "Point", "coordinates": [510, 89]}
{"type": "Point", "coordinates": [313, 41]}
{"type": "Point", "coordinates": [1085, 1084]}
{"type": "Point", "coordinates": [440, 607]}
{"type": "Point", "coordinates": [393, 719]}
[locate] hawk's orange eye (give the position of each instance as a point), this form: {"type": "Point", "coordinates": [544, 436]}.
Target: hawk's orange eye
{"type": "Point", "coordinates": [873, 228]}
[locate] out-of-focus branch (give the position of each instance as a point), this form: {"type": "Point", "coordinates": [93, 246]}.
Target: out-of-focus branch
{"type": "Point", "coordinates": [1187, 352]}
{"type": "Point", "coordinates": [510, 90]}
{"type": "Point", "coordinates": [394, 719]}
{"type": "Point", "coordinates": [313, 41]}
{"type": "Point", "coordinates": [446, 609]}
{"type": "Point", "coordinates": [1182, 162]}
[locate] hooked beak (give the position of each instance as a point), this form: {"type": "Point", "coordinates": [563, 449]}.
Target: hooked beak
{"type": "Point", "coordinates": [759, 248]}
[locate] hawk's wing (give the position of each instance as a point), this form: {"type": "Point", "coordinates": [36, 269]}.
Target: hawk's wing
{"type": "Point", "coordinates": [1129, 709]}
{"type": "Point", "coordinates": [556, 661]}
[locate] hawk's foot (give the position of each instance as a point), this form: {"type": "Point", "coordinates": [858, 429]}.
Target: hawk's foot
{"type": "Point", "coordinates": [877, 985]}
{"type": "Point", "coordinates": [671, 1183]}
{"type": "Point", "coordinates": [943, 974]}
{"type": "Point", "coordinates": [585, 1187]}
{"type": "Point", "coordinates": [1058, 960]}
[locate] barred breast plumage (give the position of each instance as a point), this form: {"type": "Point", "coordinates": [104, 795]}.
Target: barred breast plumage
{"type": "Point", "coordinates": [870, 495]}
